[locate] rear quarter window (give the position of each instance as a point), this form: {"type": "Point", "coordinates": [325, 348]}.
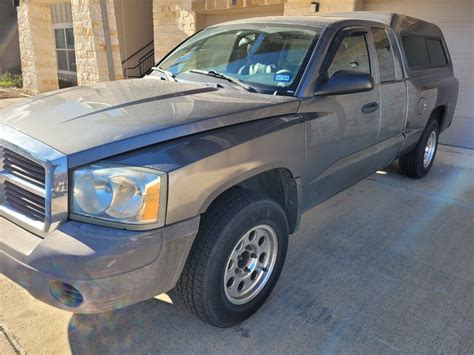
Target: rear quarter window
{"type": "Point", "coordinates": [436, 52]}
{"type": "Point", "coordinates": [423, 52]}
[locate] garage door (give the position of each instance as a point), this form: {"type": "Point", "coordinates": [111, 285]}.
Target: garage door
{"type": "Point", "coordinates": [456, 19]}
{"type": "Point", "coordinates": [213, 18]}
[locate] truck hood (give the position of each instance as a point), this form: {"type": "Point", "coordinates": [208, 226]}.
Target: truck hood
{"type": "Point", "coordinates": [106, 119]}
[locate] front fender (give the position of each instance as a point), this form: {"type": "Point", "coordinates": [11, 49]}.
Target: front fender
{"type": "Point", "coordinates": [253, 149]}
{"type": "Point", "coordinates": [202, 166]}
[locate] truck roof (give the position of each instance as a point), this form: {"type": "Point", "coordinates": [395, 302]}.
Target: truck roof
{"type": "Point", "coordinates": [381, 17]}
{"type": "Point", "coordinates": [323, 20]}
{"type": "Point", "coordinates": [397, 21]}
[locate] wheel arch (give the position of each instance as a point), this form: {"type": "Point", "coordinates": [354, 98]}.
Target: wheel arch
{"type": "Point", "coordinates": [439, 114]}
{"type": "Point", "coordinates": [275, 182]}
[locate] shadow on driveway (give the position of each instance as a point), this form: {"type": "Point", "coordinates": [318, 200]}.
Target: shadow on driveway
{"type": "Point", "coordinates": [385, 266]}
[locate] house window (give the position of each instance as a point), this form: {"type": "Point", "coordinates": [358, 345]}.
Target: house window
{"type": "Point", "coordinates": [66, 54]}
{"type": "Point", "coordinates": [61, 15]}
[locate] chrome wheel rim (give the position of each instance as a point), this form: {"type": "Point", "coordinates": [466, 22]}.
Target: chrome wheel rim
{"type": "Point", "coordinates": [430, 149]}
{"type": "Point", "coordinates": [250, 264]}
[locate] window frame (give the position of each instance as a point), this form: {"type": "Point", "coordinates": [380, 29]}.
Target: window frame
{"type": "Point", "coordinates": [295, 87]}
{"type": "Point", "coordinates": [404, 35]}
{"type": "Point", "coordinates": [334, 46]}
{"type": "Point", "coordinates": [396, 62]}
{"type": "Point", "coordinates": [64, 27]}
{"type": "Point", "coordinates": [399, 59]}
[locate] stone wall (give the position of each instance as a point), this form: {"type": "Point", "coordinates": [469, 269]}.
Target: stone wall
{"type": "Point", "coordinates": [173, 21]}
{"type": "Point", "coordinates": [303, 7]}
{"type": "Point", "coordinates": [37, 44]}
{"type": "Point", "coordinates": [91, 51]}
{"type": "Point", "coordinates": [38, 54]}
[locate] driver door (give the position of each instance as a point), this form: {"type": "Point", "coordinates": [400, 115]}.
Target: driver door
{"type": "Point", "coordinates": [341, 130]}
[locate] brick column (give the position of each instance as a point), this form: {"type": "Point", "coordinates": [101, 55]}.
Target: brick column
{"type": "Point", "coordinates": [93, 64]}
{"type": "Point", "coordinates": [173, 21]}
{"type": "Point", "coordinates": [37, 47]}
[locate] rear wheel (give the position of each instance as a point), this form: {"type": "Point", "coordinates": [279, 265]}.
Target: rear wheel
{"type": "Point", "coordinates": [236, 259]}
{"type": "Point", "coordinates": [418, 162]}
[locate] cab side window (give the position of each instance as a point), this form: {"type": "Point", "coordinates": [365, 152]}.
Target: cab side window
{"type": "Point", "coordinates": [352, 54]}
{"type": "Point", "coordinates": [384, 55]}
{"type": "Point", "coordinates": [424, 52]}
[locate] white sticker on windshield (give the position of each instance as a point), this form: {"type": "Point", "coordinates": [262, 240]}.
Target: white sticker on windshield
{"type": "Point", "coordinates": [282, 78]}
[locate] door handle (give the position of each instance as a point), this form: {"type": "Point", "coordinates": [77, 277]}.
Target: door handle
{"type": "Point", "coordinates": [370, 107]}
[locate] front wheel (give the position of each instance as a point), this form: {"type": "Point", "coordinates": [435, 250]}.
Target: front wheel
{"type": "Point", "coordinates": [417, 163]}
{"type": "Point", "coordinates": [236, 259]}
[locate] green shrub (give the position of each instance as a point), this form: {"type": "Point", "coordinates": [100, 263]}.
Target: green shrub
{"type": "Point", "coordinates": [8, 80]}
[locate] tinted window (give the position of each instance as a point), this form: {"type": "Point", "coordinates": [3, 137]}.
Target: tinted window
{"type": "Point", "coordinates": [424, 52]}
{"type": "Point", "coordinates": [416, 51]}
{"type": "Point", "coordinates": [436, 52]}
{"type": "Point", "coordinates": [352, 54]}
{"type": "Point", "coordinates": [384, 55]}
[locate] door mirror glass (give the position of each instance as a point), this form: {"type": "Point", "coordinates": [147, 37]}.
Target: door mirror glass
{"type": "Point", "coordinates": [346, 82]}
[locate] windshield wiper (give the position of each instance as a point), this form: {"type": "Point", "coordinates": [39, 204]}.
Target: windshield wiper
{"type": "Point", "coordinates": [230, 79]}
{"type": "Point", "coordinates": [168, 75]}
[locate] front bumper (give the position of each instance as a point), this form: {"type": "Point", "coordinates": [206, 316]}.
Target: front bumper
{"type": "Point", "coordinates": [111, 268]}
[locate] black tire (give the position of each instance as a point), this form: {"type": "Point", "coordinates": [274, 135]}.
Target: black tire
{"type": "Point", "coordinates": [412, 164]}
{"type": "Point", "coordinates": [201, 286]}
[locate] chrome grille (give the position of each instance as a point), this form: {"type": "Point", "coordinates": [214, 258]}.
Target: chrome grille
{"type": "Point", "coordinates": [25, 202]}
{"type": "Point", "coordinates": [33, 182]}
{"type": "Point", "coordinates": [23, 168]}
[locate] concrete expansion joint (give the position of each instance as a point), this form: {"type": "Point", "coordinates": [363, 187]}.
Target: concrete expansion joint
{"type": "Point", "coordinates": [16, 347]}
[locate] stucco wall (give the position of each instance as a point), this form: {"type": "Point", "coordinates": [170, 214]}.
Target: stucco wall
{"type": "Point", "coordinates": [134, 24]}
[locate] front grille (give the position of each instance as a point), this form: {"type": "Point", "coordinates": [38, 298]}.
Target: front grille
{"type": "Point", "coordinates": [16, 196]}
{"type": "Point", "coordinates": [23, 168]}
{"type": "Point", "coordinates": [33, 182]}
{"type": "Point", "coordinates": [30, 205]}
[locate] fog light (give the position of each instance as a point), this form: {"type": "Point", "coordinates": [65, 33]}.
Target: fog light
{"type": "Point", "coordinates": [66, 294]}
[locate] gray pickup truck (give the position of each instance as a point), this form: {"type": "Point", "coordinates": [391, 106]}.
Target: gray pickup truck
{"type": "Point", "coordinates": [194, 176]}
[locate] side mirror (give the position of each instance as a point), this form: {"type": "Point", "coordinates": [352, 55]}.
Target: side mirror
{"type": "Point", "coordinates": [346, 82]}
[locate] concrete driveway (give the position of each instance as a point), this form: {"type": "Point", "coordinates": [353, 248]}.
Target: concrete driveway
{"type": "Point", "coordinates": [386, 266]}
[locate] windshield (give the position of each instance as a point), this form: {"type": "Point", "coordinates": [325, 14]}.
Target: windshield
{"type": "Point", "coordinates": [269, 58]}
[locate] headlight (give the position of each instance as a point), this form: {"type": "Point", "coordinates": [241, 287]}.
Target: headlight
{"type": "Point", "coordinates": [126, 195]}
